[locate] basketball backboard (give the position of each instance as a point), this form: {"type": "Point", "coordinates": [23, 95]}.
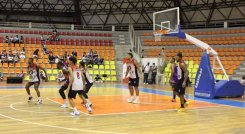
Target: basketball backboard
{"type": "Point", "coordinates": [166, 20]}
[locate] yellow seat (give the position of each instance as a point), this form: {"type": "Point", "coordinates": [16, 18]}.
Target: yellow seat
{"type": "Point", "coordinates": [52, 78]}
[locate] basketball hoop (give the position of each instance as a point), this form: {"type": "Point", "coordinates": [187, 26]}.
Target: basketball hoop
{"type": "Point", "coordinates": [158, 34]}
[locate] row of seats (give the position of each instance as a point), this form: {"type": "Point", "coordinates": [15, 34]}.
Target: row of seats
{"type": "Point", "coordinates": [211, 32]}
{"type": "Point", "coordinates": [88, 42]}
{"type": "Point", "coordinates": [202, 39]}
{"type": "Point", "coordinates": [65, 33]}
{"type": "Point", "coordinates": [182, 43]}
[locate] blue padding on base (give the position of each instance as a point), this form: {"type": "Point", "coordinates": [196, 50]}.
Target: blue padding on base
{"type": "Point", "coordinates": [231, 88]}
{"type": "Point", "coordinates": [204, 81]}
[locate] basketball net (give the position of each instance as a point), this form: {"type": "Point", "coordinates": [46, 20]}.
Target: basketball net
{"type": "Point", "coordinates": [158, 34]}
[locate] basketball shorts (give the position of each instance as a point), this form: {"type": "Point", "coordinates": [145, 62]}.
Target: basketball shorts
{"type": "Point", "coordinates": [133, 82]}
{"type": "Point", "coordinates": [179, 89]}
{"type": "Point", "coordinates": [73, 93]}
{"type": "Point", "coordinates": [88, 86]}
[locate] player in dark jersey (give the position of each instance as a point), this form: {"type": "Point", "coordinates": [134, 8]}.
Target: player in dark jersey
{"type": "Point", "coordinates": [64, 68]}
{"type": "Point", "coordinates": [34, 79]}
{"type": "Point", "coordinates": [88, 83]}
{"type": "Point", "coordinates": [182, 81]}
{"type": "Point", "coordinates": [173, 77]}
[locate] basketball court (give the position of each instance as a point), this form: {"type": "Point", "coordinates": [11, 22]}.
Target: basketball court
{"type": "Point", "coordinates": [112, 113]}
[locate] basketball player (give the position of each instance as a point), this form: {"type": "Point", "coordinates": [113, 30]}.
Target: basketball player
{"type": "Point", "coordinates": [88, 81]}
{"type": "Point", "coordinates": [173, 77]}
{"type": "Point", "coordinates": [33, 71]}
{"type": "Point", "coordinates": [76, 85]}
{"type": "Point", "coordinates": [182, 81]}
{"type": "Point", "coordinates": [133, 84]}
{"type": "Point", "coordinates": [64, 68]}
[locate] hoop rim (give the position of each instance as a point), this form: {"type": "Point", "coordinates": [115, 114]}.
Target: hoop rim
{"type": "Point", "coordinates": [160, 32]}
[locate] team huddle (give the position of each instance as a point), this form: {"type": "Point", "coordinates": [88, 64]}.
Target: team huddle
{"type": "Point", "coordinates": [77, 81]}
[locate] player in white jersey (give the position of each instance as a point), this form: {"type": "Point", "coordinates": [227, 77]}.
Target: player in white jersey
{"type": "Point", "coordinates": [88, 83]}
{"type": "Point", "coordinates": [33, 71]}
{"type": "Point", "coordinates": [132, 72]}
{"type": "Point", "coordinates": [76, 84]}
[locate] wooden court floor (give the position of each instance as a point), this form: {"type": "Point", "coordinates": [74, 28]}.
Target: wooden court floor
{"type": "Point", "coordinates": [113, 115]}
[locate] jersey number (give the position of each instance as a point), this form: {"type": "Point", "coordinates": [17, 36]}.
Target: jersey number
{"type": "Point", "coordinates": [78, 75]}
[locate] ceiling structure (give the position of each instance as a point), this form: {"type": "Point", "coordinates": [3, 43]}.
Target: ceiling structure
{"type": "Point", "coordinates": [119, 12]}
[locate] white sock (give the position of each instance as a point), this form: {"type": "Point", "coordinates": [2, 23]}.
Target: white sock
{"type": "Point", "coordinates": [65, 101]}
{"type": "Point", "coordinates": [137, 97]}
{"type": "Point", "coordinates": [29, 96]}
{"type": "Point", "coordinates": [39, 98]}
{"type": "Point", "coordinates": [75, 109]}
{"type": "Point", "coordinates": [87, 100]}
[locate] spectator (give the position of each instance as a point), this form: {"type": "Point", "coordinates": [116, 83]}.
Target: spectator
{"type": "Point", "coordinates": [84, 58]}
{"type": "Point", "coordinates": [7, 40]}
{"type": "Point", "coordinates": [74, 53]}
{"type": "Point", "coordinates": [65, 55]}
{"type": "Point", "coordinates": [101, 61]}
{"type": "Point", "coordinates": [1, 76]}
{"type": "Point", "coordinates": [45, 50]}
{"type": "Point", "coordinates": [154, 73]}
{"type": "Point", "coordinates": [16, 57]}
{"type": "Point", "coordinates": [21, 39]}
{"type": "Point", "coordinates": [22, 53]}
{"type": "Point", "coordinates": [164, 61]}
{"type": "Point", "coordinates": [10, 57]}
{"type": "Point", "coordinates": [242, 81]}
{"type": "Point", "coordinates": [42, 75]}
{"type": "Point", "coordinates": [146, 70]}
{"type": "Point", "coordinates": [51, 58]}
{"type": "Point", "coordinates": [4, 57]}
{"type": "Point", "coordinates": [35, 54]}
{"type": "Point", "coordinates": [98, 79]}
{"type": "Point", "coordinates": [16, 39]}
{"type": "Point", "coordinates": [21, 75]}
{"type": "Point", "coordinates": [60, 76]}
{"type": "Point", "coordinates": [57, 59]}
{"type": "Point", "coordinates": [90, 53]}
{"type": "Point", "coordinates": [23, 50]}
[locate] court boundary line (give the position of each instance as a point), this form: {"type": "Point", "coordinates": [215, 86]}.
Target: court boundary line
{"type": "Point", "coordinates": [58, 127]}
{"type": "Point", "coordinates": [122, 113]}
{"type": "Point", "coordinates": [29, 111]}
{"type": "Point", "coordinates": [193, 97]}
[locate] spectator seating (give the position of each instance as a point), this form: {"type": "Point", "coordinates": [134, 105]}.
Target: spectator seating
{"type": "Point", "coordinates": [225, 41]}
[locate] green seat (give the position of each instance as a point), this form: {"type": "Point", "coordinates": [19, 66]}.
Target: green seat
{"type": "Point", "coordinates": [114, 78]}
{"type": "Point", "coordinates": [102, 72]}
{"type": "Point", "coordinates": [49, 71]}
{"type": "Point", "coordinates": [113, 72]}
{"type": "Point", "coordinates": [108, 72]}
{"type": "Point", "coordinates": [107, 66]}
{"type": "Point", "coordinates": [194, 75]}
{"type": "Point", "coordinates": [96, 71]}
{"type": "Point", "coordinates": [112, 62]}
{"type": "Point", "coordinates": [90, 72]}
{"type": "Point", "coordinates": [26, 78]}
{"type": "Point", "coordinates": [196, 66]}
{"type": "Point", "coordinates": [52, 78]}
{"type": "Point", "coordinates": [194, 70]}
{"type": "Point", "coordinates": [106, 62]}
{"type": "Point", "coordinates": [219, 76]}
{"type": "Point", "coordinates": [101, 67]}
{"type": "Point", "coordinates": [113, 67]}
{"type": "Point", "coordinates": [191, 62]}
{"type": "Point", "coordinates": [190, 66]}
{"type": "Point", "coordinates": [55, 71]}
{"type": "Point", "coordinates": [108, 78]}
